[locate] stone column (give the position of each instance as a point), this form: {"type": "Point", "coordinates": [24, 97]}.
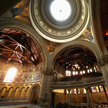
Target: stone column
{"type": "Point", "coordinates": [77, 96]}
{"type": "Point", "coordinates": [90, 94]}
{"type": "Point", "coordinates": [45, 93]}
{"type": "Point", "coordinates": [105, 92]}
{"type": "Point", "coordinates": [103, 63]}
{"type": "Point", "coordinates": [87, 94]}
{"type": "Point", "coordinates": [69, 97]}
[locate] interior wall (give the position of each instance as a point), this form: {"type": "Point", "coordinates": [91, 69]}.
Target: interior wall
{"type": "Point", "coordinates": [27, 73]}
{"type": "Point", "coordinates": [97, 98]}
{"type": "Point", "coordinates": [18, 90]}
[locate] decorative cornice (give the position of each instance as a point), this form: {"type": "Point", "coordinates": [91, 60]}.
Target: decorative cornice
{"type": "Point", "coordinates": [78, 84]}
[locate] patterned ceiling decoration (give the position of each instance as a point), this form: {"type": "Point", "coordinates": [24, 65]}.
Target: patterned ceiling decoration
{"type": "Point", "coordinates": [59, 31]}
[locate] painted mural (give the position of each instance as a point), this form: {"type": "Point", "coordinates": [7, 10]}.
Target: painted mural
{"type": "Point", "coordinates": [21, 11]}
{"type": "Point", "coordinates": [21, 77]}
{"type": "Point", "coordinates": [28, 73]}
{"type": "Point", "coordinates": [34, 77]}
{"type": "Point", "coordinates": [87, 35]}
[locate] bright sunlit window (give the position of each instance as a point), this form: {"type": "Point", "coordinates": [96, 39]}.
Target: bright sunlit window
{"type": "Point", "coordinates": [95, 69]}
{"type": "Point", "coordinates": [68, 73]}
{"type": "Point", "coordinates": [10, 75]}
{"type": "Point", "coordinates": [84, 90]}
{"type": "Point", "coordinates": [76, 72]}
{"type": "Point", "coordinates": [83, 71]}
{"type": "Point", "coordinates": [73, 72]}
{"type": "Point", "coordinates": [60, 10]}
{"type": "Point", "coordinates": [68, 91]}
{"type": "Point", "coordinates": [75, 91]}
{"type": "Point", "coordinates": [90, 70]}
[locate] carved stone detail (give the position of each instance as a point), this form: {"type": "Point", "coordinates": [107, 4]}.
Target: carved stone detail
{"type": "Point", "coordinates": [100, 62]}
{"type": "Point", "coordinates": [103, 60]}
{"type": "Point", "coordinates": [47, 71]}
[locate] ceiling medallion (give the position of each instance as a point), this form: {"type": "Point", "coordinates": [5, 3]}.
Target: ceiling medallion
{"type": "Point", "coordinates": [59, 20]}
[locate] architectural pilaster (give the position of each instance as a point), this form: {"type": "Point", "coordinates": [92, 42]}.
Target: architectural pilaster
{"type": "Point", "coordinates": [45, 94]}
{"type": "Point", "coordinates": [90, 94]}
{"type": "Point", "coordinates": [103, 64]}
{"type": "Point", "coordinates": [105, 92]}
{"type": "Point", "coordinates": [69, 97]}
{"type": "Point", "coordinates": [77, 97]}
{"type": "Point", "coordinates": [87, 94]}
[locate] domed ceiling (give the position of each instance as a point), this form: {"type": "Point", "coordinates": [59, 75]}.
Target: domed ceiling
{"type": "Point", "coordinates": [59, 20]}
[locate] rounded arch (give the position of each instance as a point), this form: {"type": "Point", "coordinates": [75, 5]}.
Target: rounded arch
{"type": "Point", "coordinates": [10, 92]}
{"type": "Point", "coordinates": [23, 88]}
{"type": "Point", "coordinates": [27, 92]}
{"type": "Point", "coordinates": [3, 91]}
{"type": "Point", "coordinates": [17, 92]}
{"type": "Point", "coordinates": [3, 88]}
{"type": "Point", "coordinates": [22, 94]}
{"type": "Point", "coordinates": [17, 88]}
{"type": "Point", "coordinates": [27, 88]}
{"type": "Point", "coordinates": [10, 88]}
{"type": "Point", "coordinates": [31, 89]}
{"type": "Point", "coordinates": [14, 23]}
{"type": "Point", "coordinates": [92, 47]}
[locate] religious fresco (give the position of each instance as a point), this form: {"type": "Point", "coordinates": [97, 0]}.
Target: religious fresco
{"type": "Point", "coordinates": [2, 76]}
{"type": "Point", "coordinates": [21, 11]}
{"type": "Point", "coordinates": [87, 35]}
{"type": "Point", "coordinates": [28, 73]}
{"type": "Point", "coordinates": [21, 77]}
{"type": "Point", "coordinates": [34, 77]}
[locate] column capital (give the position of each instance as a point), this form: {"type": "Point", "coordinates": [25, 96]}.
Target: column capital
{"type": "Point", "coordinates": [103, 60]}
{"type": "Point", "coordinates": [87, 88]}
{"type": "Point", "coordinates": [47, 71]}
{"type": "Point", "coordinates": [69, 89]}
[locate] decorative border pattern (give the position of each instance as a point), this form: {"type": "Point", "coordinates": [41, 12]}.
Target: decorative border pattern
{"type": "Point", "coordinates": [58, 35]}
